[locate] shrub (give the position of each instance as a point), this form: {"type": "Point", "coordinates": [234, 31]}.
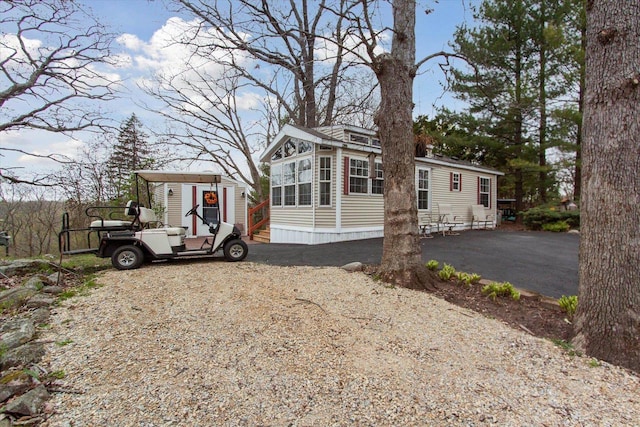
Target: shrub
{"type": "Point", "coordinates": [501, 289]}
{"type": "Point", "coordinates": [433, 265]}
{"type": "Point", "coordinates": [447, 272]}
{"type": "Point", "coordinates": [467, 279]}
{"type": "Point", "coordinates": [557, 227]}
{"type": "Point", "coordinates": [568, 304]}
{"type": "Point", "coordinates": [535, 218]}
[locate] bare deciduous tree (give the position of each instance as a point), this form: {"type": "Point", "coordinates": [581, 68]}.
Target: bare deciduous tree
{"type": "Point", "coordinates": [395, 70]}
{"type": "Point", "coordinates": [305, 41]}
{"type": "Point", "coordinates": [50, 70]}
{"type": "Point", "coordinates": [31, 218]}
{"type": "Point", "coordinates": [290, 61]}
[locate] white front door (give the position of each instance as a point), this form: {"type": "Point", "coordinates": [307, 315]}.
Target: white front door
{"type": "Point", "coordinates": [212, 207]}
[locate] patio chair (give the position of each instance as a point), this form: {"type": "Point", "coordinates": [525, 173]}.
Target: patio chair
{"type": "Point", "coordinates": [479, 215]}
{"type": "Point", "coordinates": [447, 219]}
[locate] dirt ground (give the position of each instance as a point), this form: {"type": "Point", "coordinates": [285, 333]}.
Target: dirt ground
{"type": "Point", "coordinates": [529, 313]}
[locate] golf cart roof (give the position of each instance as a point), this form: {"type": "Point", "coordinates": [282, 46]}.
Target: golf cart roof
{"type": "Point", "coordinates": [176, 176]}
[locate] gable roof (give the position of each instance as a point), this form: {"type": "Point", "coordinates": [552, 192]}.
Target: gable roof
{"type": "Point", "coordinates": [295, 131]}
{"type": "Point", "coordinates": [317, 137]}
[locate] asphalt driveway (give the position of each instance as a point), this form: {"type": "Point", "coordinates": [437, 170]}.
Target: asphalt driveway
{"type": "Point", "coordinates": [539, 261]}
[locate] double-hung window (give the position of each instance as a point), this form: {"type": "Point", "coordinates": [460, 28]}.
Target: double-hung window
{"type": "Point", "coordinates": [324, 184]}
{"type": "Point", "coordinates": [484, 192]}
{"type": "Point", "coordinates": [358, 176]}
{"type": "Point", "coordinates": [455, 181]}
{"type": "Point", "coordinates": [423, 189]}
{"type": "Point", "coordinates": [377, 182]}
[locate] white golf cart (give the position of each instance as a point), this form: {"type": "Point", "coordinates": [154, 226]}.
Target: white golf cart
{"type": "Point", "coordinates": [140, 237]}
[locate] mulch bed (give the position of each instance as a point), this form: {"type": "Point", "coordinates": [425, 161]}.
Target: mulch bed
{"type": "Point", "coordinates": [531, 314]}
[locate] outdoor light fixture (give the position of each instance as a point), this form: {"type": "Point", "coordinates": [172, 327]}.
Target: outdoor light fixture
{"type": "Point", "coordinates": [170, 193]}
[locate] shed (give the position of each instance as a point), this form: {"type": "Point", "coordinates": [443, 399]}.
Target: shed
{"type": "Point", "coordinates": [176, 198]}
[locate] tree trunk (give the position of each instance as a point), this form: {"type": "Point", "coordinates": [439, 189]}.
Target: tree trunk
{"type": "Point", "coordinates": [401, 252]}
{"type": "Point", "coordinates": [608, 317]}
{"type": "Point", "coordinates": [577, 177]}
{"type": "Point", "coordinates": [542, 98]}
{"type": "Point", "coordinates": [518, 119]}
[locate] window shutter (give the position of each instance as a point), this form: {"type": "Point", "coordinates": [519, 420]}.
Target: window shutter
{"type": "Point", "coordinates": [450, 181]}
{"type": "Point", "coordinates": [478, 190]}
{"type": "Point", "coordinates": [459, 182]}
{"type": "Point", "coordinates": [490, 191]}
{"type": "Point", "coordinates": [345, 189]}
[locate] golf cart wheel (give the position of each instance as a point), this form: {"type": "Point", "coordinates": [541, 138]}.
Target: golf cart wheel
{"type": "Point", "coordinates": [235, 250]}
{"type": "Point", "coordinates": [127, 257]}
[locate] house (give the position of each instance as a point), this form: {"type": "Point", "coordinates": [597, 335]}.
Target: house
{"type": "Point", "coordinates": [176, 198]}
{"type": "Point", "coordinates": [327, 185]}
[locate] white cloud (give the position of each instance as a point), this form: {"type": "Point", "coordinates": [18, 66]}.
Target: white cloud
{"type": "Point", "coordinates": [356, 51]}
{"type": "Point", "coordinates": [172, 55]}
{"type": "Point", "coordinates": [62, 150]}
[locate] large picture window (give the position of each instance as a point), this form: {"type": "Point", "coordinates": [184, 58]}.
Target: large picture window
{"type": "Point", "coordinates": [423, 189]}
{"type": "Point", "coordinates": [358, 176]}
{"type": "Point", "coordinates": [484, 192]}
{"type": "Point", "coordinates": [324, 184]}
{"type": "Point", "coordinates": [291, 181]}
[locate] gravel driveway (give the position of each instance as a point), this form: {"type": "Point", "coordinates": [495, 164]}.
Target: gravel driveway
{"type": "Point", "coordinates": [244, 344]}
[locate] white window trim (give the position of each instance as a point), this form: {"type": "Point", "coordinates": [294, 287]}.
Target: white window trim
{"type": "Point", "coordinates": [271, 186]}
{"type": "Point", "coordinates": [429, 192]}
{"type": "Point", "coordinates": [369, 191]}
{"type": "Point", "coordinates": [480, 178]}
{"type": "Point", "coordinates": [365, 176]}
{"type": "Point", "coordinates": [321, 181]}
{"type": "Point", "coordinates": [295, 160]}
{"type": "Point", "coordinates": [454, 182]}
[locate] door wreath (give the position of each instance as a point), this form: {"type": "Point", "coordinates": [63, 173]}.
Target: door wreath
{"type": "Point", "coordinates": [211, 198]}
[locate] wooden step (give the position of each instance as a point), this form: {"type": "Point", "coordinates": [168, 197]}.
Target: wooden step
{"type": "Point", "coordinates": [263, 236]}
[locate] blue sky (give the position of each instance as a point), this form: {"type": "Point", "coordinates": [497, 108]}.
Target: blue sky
{"type": "Point", "coordinates": [144, 21]}
{"type": "Point", "coordinates": [434, 31]}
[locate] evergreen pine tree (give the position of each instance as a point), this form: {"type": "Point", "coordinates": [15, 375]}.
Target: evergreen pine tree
{"type": "Point", "coordinates": [130, 153]}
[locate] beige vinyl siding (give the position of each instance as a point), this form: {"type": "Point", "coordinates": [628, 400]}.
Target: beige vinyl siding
{"type": "Point", "coordinates": [335, 132]}
{"type": "Point", "coordinates": [240, 209]}
{"type": "Point", "coordinates": [326, 218]}
{"type": "Point", "coordinates": [174, 207]}
{"type": "Point", "coordinates": [359, 210]}
{"type": "Point", "coordinates": [238, 203]}
{"type": "Point", "coordinates": [460, 201]}
{"type": "Point", "coordinates": [296, 217]}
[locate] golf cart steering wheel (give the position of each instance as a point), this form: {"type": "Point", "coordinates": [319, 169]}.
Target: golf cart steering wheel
{"type": "Point", "coordinates": [192, 211]}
